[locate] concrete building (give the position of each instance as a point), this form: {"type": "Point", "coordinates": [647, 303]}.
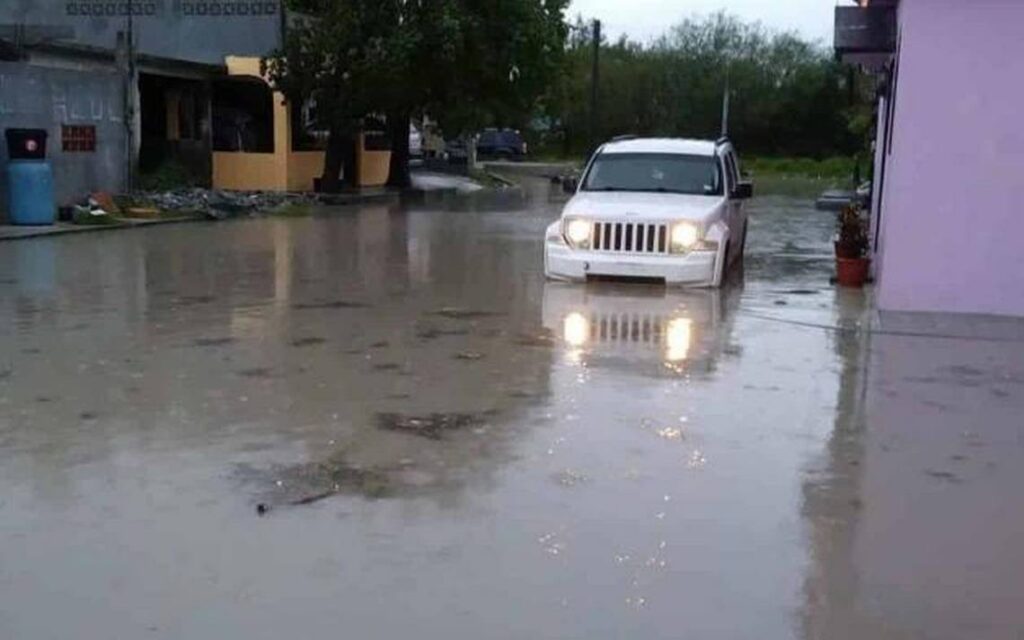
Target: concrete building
{"type": "Point", "coordinates": [946, 216]}
{"type": "Point", "coordinates": [64, 67]}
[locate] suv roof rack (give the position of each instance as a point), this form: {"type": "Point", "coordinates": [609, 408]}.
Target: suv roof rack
{"type": "Point", "coordinates": [629, 136]}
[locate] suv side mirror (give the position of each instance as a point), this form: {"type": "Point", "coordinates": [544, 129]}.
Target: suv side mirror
{"type": "Point", "coordinates": [569, 185]}
{"type": "Point", "coordinates": [743, 191]}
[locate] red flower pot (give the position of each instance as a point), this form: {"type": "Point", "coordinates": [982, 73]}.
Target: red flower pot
{"type": "Point", "coordinates": [852, 272]}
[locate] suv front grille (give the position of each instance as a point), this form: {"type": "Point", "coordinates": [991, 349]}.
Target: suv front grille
{"type": "Point", "coordinates": [624, 327]}
{"type": "Point", "coordinates": [631, 237]}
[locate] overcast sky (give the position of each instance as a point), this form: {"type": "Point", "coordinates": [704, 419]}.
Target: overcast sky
{"type": "Point", "coordinates": [646, 19]}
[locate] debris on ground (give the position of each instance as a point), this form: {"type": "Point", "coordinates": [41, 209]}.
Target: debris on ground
{"type": "Point", "coordinates": [104, 201]}
{"type": "Point", "coordinates": [432, 426]}
{"type": "Point", "coordinates": [455, 313]}
{"type": "Point", "coordinates": [309, 483]}
{"type": "Point", "coordinates": [90, 212]}
{"type": "Point", "coordinates": [469, 355]}
{"type": "Point", "coordinates": [330, 305]}
{"type": "Point", "coordinates": [218, 204]}
{"type": "Point", "coordinates": [432, 333]}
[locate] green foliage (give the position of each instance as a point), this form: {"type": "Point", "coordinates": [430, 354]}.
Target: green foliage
{"type": "Point", "coordinates": [466, 62]}
{"type": "Point", "coordinates": [836, 167]}
{"type": "Point", "coordinates": [84, 218]}
{"type": "Point", "coordinates": [510, 54]}
{"type": "Point", "coordinates": [853, 234]}
{"type": "Point", "coordinates": [788, 96]}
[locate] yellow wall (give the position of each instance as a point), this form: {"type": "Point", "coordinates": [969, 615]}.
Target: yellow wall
{"type": "Point", "coordinates": [374, 166]}
{"type": "Point", "coordinates": [249, 171]}
{"type": "Point", "coordinates": [303, 168]}
{"type": "Point", "coordinates": [284, 169]}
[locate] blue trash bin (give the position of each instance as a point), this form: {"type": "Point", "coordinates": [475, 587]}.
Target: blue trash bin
{"type": "Point", "coordinates": [30, 192]}
{"type": "Point", "coordinates": [29, 178]}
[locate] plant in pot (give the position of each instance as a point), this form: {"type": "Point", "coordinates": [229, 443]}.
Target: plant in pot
{"type": "Point", "coordinates": [852, 248]}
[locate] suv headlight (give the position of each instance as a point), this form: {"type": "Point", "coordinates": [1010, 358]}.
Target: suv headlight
{"type": "Point", "coordinates": [684, 236]}
{"type": "Point", "coordinates": [578, 232]}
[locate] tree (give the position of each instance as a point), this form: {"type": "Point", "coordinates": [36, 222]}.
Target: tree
{"type": "Point", "coordinates": [331, 56]}
{"type": "Point", "coordinates": [789, 96]}
{"type": "Point", "coordinates": [464, 62]}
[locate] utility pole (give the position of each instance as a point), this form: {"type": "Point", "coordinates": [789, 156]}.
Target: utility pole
{"type": "Point", "coordinates": [594, 84]}
{"type": "Point", "coordinates": [725, 104]}
{"type": "Point", "coordinates": [129, 99]}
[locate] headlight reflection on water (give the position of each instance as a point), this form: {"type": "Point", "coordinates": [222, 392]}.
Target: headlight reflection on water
{"type": "Point", "coordinates": [677, 339]}
{"type": "Point", "coordinates": [576, 330]}
{"type": "Point", "coordinates": [676, 335]}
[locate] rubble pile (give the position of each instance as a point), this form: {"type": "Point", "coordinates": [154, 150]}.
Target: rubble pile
{"type": "Point", "coordinates": [219, 204]}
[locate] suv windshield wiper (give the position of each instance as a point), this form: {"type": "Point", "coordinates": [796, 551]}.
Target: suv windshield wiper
{"type": "Point", "coordinates": [679, 191]}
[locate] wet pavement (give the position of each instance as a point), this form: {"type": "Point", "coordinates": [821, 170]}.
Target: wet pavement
{"type": "Point", "coordinates": [382, 422]}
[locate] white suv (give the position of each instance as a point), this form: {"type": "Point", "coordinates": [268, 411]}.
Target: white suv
{"type": "Point", "coordinates": [662, 209]}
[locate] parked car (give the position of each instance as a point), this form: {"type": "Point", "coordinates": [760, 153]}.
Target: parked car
{"type": "Point", "coordinates": [661, 209]}
{"type": "Point", "coordinates": [501, 143]}
{"type": "Point", "coordinates": [456, 151]}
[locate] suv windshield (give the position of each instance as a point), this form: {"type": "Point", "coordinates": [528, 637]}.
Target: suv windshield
{"type": "Point", "coordinates": [660, 172]}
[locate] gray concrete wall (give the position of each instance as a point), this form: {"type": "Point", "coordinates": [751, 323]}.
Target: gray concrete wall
{"type": "Point", "coordinates": [45, 98]}
{"type": "Point", "coordinates": [193, 30]}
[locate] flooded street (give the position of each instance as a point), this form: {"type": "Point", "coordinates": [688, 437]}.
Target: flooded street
{"type": "Point", "coordinates": [383, 423]}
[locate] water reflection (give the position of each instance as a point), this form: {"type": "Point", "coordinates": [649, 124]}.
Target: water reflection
{"type": "Point", "coordinates": [684, 330]}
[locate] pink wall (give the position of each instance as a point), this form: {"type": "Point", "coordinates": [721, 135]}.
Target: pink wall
{"type": "Point", "coordinates": [953, 206]}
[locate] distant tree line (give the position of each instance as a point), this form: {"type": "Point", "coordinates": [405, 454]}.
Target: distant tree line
{"type": "Point", "coordinates": [788, 96]}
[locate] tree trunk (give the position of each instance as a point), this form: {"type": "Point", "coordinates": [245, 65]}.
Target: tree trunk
{"type": "Point", "coordinates": [333, 161]}
{"type": "Point", "coordinates": [350, 156]}
{"type": "Point", "coordinates": [398, 133]}
{"type": "Point", "coordinates": [471, 154]}
{"type": "Point", "coordinates": [341, 154]}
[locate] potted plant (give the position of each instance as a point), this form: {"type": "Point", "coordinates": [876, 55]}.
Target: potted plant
{"type": "Point", "coordinates": [852, 248]}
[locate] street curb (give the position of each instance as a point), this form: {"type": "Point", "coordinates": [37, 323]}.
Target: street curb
{"type": "Point", "coordinates": [43, 232]}
{"type": "Point", "coordinates": [28, 233]}
{"type": "Point", "coordinates": [508, 182]}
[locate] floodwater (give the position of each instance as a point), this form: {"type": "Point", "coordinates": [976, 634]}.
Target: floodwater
{"type": "Point", "coordinates": [382, 423]}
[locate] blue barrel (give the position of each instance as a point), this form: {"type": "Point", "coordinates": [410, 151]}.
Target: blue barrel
{"type": "Point", "coordinates": [30, 192]}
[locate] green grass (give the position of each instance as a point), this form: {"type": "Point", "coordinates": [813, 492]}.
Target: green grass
{"type": "Point", "coordinates": [87, 219]}
{"type": "Point", "coordinates": [833, 169]}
